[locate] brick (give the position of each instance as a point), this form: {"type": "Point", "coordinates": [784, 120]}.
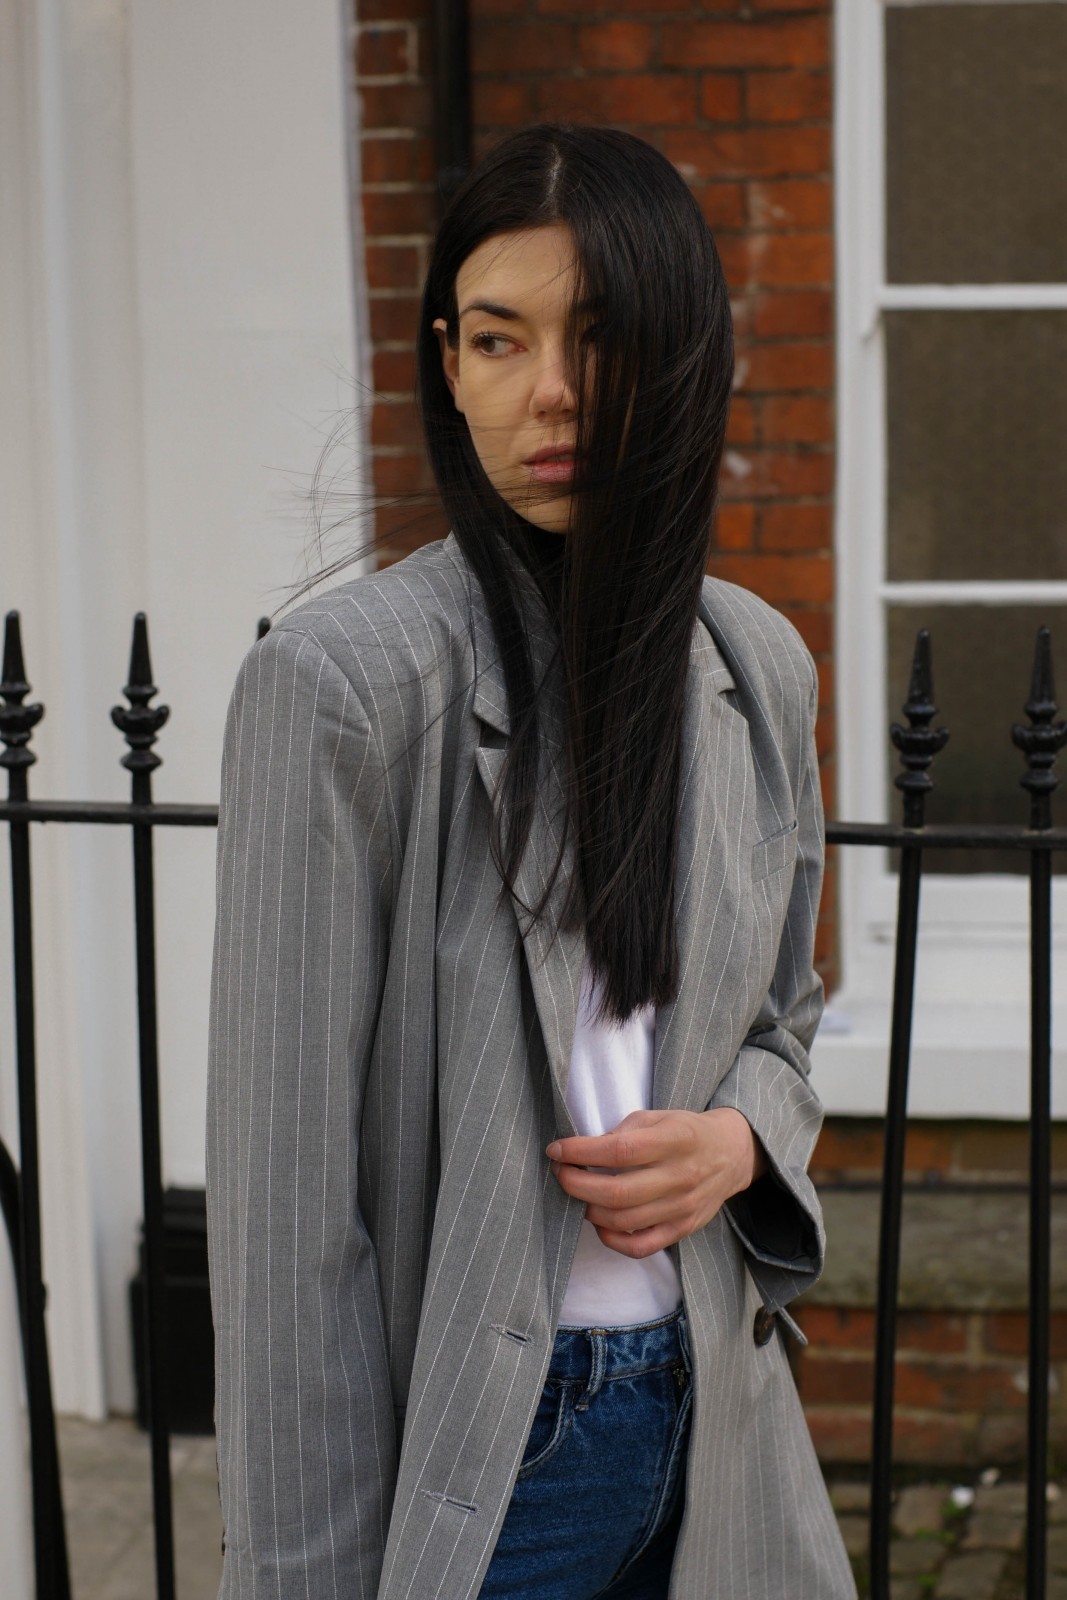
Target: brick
{"type": "Point", "coordinates": [940, 1386]}
{"type": "Point", "coordinates": [814, 627]}
{"type": "Point", "coordinates": [787, 96]}
{"type": "Point", "coordinates": [734, 527]}
{"type": "Point", "coordinates": [849, 1144]}
{"type": "Point", "coordinates": [791, 365]}
{"type": "Point", "coordinates": [502, 105]}
{"type": "Point", "coordinates": [392, 266]}
{"type": "Point", "coordinates": [399, 211]}
{"type": "Point", "coordinates": [394, 371]}
{"type": "Point", "coordinates": [777, 577]}
{"type": "Point", "coordinates": [835, 1379]}
{"type": "Point", "coordinates": [395, 105]}
{"type": "Point", "coordinates": [839, 1433]}
{"type": "Point", "coordinates": [796, 42]}
{"type": "Point", "coordinates": [994, 1147]}
{"type": "Point", "coordinates": [394, 318]}
{"type": "Point", "coordinates": [720, 97]}
{"type": "Point", "coordinates": [796, 419]}
{"type": "Point", "coordinates": [931, 1439]}
{"type": "Point", "coordinates": [776, 203]}
{"type": "Point", "coordinates": [593, 10]}
{"type": "Point", "coordinates": [407, 527]}
{"type": "Point", "coordinates": [742, 426]}
{"type": "Point", "coordinates": [521, 46]}
{"type": "Point", "coordinates": [615, 45]}
{"type": "Point", "coordinates": [835, 1327]}
{"type": "Point", "coordinates": [789, 527]}
{"type": "Point", "coordinates": [402, 159]}
{"type": "Point", "coordinates": [641, 99]}
{"type": "Point", "coordinates": [723, 204]}
{"type": "Point", "coordinates": [792, 473]}
{"type": "Point", "coordinates": [394, 424]}
{"type": "Point", "coordinates": [397, 10]}
{"type": "Point", "coordinates": [786, 5]}
{"type": "Point", "coordinates": [749, 152]}
{"type": "Point", "coordinates": [779, 314]}
{"type": "Point", "coordinates": [386, 50]}
{"type": "Point", "coordinates": [403, 474]}
{"type": "Point", "coordinates": [791, 260]}
{"type": "Point", "coordinates": [1006, 1333]}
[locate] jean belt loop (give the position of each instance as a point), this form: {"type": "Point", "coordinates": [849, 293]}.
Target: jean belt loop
{"type": "Point", "coordinates": [598, 1347]}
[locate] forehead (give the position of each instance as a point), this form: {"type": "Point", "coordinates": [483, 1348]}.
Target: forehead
{"type": "Point", "coordinates": [524, 268]}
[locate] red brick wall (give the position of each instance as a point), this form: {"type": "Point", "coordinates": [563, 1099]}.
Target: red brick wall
{"type": "Point", "coordinates": [960, 1394]}
{"type": "Point", "coordinates": [739, 99]}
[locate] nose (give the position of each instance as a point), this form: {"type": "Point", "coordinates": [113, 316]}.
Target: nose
{"type": "Point", "coordinates": [553, 392]}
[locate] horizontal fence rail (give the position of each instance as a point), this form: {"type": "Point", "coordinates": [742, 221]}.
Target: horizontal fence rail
{"type": "Point", "coordinates": [918, 743]}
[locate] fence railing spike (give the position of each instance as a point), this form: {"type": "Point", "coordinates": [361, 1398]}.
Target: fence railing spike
{"type": "Point", "coordinates": [918, 743]}
{"type": "Point", "coordinates": [17, 721]}
{"type": "Point", "coordinates": [140, 722]}
{"type": "Point", "coordinates": [1042, 741]}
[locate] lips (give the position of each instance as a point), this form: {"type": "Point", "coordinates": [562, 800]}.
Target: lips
{"type": "Point", "coordinates": [553, 464]}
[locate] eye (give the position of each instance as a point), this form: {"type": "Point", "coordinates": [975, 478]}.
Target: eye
{"type": "Point", "coordinates": [489, 343]}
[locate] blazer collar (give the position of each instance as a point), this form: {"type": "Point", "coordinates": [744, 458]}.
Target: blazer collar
{"type": "Point", "coordinates": [716, 778]}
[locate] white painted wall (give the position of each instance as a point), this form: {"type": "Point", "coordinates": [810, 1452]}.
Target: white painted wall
{"type": "Point", "coordinates": [178, 316]}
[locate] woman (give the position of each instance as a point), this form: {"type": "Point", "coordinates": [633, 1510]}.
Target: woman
{"type": "Point", "coordinates": [519, 861]}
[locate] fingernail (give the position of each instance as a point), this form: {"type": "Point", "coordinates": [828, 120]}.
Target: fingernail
{"type": "Point", "coordinates": [554, 1151]}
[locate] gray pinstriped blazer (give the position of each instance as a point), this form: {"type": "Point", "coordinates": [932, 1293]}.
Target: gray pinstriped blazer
{"type": "Point", "coordinates": [389, 1051]}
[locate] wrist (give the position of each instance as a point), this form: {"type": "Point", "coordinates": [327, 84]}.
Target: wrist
{"type": "Point", "coordinates": [750, 1158]}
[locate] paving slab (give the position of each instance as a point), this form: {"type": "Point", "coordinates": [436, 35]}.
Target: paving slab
{"type": "Point", "coordinates": [973, 1576]}
{"type": "Point", "coordinates": [920, 1509]}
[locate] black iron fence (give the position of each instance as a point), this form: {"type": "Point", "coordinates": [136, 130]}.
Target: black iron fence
{"type": "Point", "coordinates": [1039, 740]}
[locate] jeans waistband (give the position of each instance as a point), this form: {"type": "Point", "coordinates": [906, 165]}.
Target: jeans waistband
{"type": "Point", "coordinates": [596, 1355]}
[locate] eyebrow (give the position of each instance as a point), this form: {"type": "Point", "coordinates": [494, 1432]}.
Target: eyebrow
{"type": "Point", "coordinates": [506, 314]}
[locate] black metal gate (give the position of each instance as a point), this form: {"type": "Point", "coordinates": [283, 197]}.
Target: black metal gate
{"type": "Point", "coordinates": [919, 742]}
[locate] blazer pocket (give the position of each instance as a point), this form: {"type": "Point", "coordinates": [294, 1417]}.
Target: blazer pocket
{"type": "Point", "coordinates": [776, 851]}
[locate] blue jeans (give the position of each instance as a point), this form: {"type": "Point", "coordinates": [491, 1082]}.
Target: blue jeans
{"type": "Point", "coordinates": [599, 1494]}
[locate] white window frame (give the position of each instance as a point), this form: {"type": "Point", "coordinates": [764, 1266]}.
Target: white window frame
{"type": "Point", "coordinates": [970, 1040]}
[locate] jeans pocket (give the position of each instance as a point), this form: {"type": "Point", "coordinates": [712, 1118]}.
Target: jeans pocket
{"type": "Point", "coordinates": [551, 1422]}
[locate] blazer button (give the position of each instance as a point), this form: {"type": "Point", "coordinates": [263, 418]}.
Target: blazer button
{"type": "Point", "coordinates": [763, 1327]}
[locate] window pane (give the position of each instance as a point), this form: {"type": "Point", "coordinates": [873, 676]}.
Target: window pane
{"type": "Point", "coordinates": [976, 144]}
{"type": "Point", "coordinates": [982, 659]}
{"type": "Point", "coordinates": [976, 410]}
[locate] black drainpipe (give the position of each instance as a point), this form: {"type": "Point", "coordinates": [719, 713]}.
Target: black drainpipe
{"type": "Point", "coordinates": [451, 95]}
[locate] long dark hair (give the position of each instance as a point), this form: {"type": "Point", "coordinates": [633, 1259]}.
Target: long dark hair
{"type": "Point", "coordinates": [650, 437]}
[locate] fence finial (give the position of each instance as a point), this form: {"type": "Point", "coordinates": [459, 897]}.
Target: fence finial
{"type": "Point", "coordinates": [918, 743]}
{"type": "Point", "coordinates": [17, 721]}
{"type": "Point", "coordinates": [139, 722]}
{"type": "Point", "coordinates": [1041, 742]}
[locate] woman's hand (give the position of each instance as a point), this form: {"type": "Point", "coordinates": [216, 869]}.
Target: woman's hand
{"type": "Point", "coordinates": [670, 1172]}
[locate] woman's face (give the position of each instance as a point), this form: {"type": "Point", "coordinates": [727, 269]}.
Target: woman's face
{"type": "Point", "coordinates": [508, 373]}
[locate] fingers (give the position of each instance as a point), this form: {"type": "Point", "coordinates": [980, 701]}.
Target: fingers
{"type": "Point", "coordinates": [640, 1245]}
{"type": "Point", "coordinates": [641, 1138]}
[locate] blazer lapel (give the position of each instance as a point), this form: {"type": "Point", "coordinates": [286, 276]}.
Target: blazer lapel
{"type": "Point", "coordinates": [554, 965]}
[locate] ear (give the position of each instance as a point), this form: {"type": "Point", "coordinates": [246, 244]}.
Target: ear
{"type": "Point", "coordinates": [449, 360]}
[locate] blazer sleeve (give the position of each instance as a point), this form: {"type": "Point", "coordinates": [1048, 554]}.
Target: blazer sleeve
{"type": "Point", "coordinates": [778, 1219]}
{"type": "Point", "coordinates": [306, 1436]}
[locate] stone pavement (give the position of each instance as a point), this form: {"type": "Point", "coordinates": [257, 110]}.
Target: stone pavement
{"type": "Point", "coordinates": [955, 1539]}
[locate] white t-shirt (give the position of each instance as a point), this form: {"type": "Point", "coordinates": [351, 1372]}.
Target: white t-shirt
{"type": "Point", "coordinates": [610, 1076]}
